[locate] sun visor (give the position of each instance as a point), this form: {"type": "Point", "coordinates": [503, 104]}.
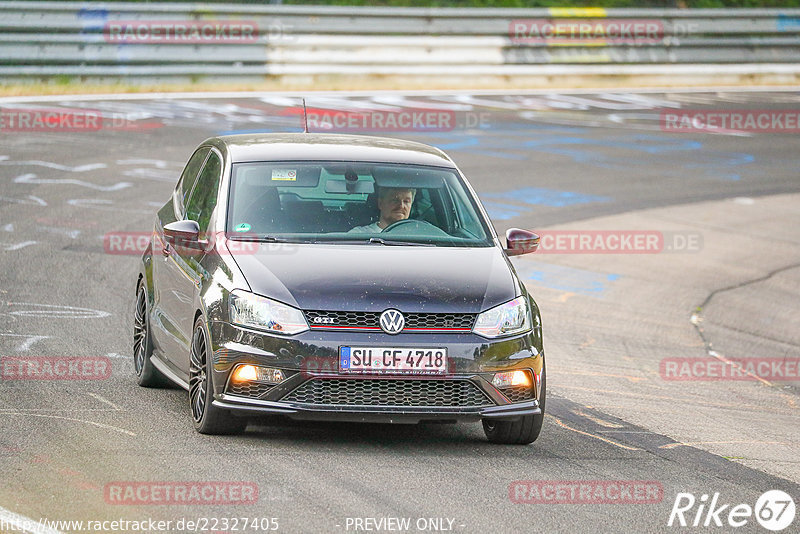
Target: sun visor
{"type": "Point", "coordinates": [411, 177]}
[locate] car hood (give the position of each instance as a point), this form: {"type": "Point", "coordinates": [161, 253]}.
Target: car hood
{"type": "Point", "coordinates": [376, 277]}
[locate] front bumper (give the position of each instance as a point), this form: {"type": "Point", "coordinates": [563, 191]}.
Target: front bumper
{"type": "Point", "coordinates": [374, 414]}
{"type": "Point", "coordinates": [474, 360]}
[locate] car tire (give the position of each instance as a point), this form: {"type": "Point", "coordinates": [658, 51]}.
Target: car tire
{"type": "Point", "coordinates": [520, 431]}
{"type": "Point", "coordinates": [146, 373]}
{"type": "Point", "coordinates": [207, 418]}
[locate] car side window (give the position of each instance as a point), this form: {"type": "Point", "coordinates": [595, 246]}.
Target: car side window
{"type": "Point", "coordinates": [203, 198]}
{"type": "Point", "coordinates": [189, 175]}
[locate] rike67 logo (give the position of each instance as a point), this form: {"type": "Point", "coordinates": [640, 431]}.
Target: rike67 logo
{"type": "Point", "coordinates": [774, 510]}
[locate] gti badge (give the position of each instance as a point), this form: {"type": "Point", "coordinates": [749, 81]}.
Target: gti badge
{"type": "Point", "coordinates": [392, 321]}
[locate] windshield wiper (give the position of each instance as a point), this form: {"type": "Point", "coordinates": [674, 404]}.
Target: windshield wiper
{"type": "Point", "coordinates": [397, 242]}
{"type": "Point", "coordinates": [263, 239]}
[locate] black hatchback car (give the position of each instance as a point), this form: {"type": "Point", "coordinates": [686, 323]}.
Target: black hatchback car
{"type": "Point", "coordinates": [335, 277]}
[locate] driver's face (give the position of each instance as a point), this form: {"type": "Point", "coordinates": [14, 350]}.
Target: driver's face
{"type": "Point", "coordinates": [395, 205]}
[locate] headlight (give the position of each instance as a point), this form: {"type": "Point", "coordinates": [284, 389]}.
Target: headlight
{"type": "Point", "coordinates": [262, 313]}
{"type": "Point", "coordinates": [504, 320]}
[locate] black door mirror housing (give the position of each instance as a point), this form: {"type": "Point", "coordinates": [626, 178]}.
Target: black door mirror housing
{"type": "Point", "coordinates": [184, 233]}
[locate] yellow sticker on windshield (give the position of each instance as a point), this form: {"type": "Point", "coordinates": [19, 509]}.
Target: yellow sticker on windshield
{"type": "Point", "coordinates": [284, 175]}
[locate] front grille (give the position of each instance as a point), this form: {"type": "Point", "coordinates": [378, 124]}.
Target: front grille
{"type": "Point", "coordinates": [342, 320]}
{"type": "Point", "coordinates": [248, 389]}
{"type": "Point", "coordinates": [518, 393]}
{"type": "Point", "coordinates": [389, 392]}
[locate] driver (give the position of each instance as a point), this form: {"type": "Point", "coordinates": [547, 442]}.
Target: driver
{"type": "Point", "coordinates": [394, 204]}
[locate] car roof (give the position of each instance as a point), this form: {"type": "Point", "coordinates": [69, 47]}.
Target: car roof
{"type": "Point", "coordinates": [327, 147]}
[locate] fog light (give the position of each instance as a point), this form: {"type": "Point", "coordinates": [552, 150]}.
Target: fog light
{"type": "Point", "coordinates": [511, 378]}
{"type": "Point", "coordinates": [254, 373]}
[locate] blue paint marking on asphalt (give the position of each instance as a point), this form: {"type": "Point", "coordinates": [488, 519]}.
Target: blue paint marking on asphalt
{"type": "Point", "coordinates": [648, 144]}
{"type": "Point", "coordinates": [732, 159]}
{"type": "Point", "coordinates": [547, 197]}
{"type": "Point", "coordinates": [92, 13]}
{"type": "Point", "coordinates": [92, 19]}
{"type": "Point", "coordinates": [501, 212]}
{"type": "Point", "coordinates": [471, 143]}
{"type": "Point", "coordinates": [562, 278]}
{"type": "Point", "coordinates": [644, 150]}
{"type": "Point", "coordinates": [712, 164]}
{"type": "Point", "coordinates": [786, 23]}
{"type": "Point", "coordinates": [569, 142]}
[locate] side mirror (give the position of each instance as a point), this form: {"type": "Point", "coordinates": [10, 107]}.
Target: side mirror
{"type": "Point", "coordinates": [184, 233]}
{"type": "Point", "coordinates": [521, 242]}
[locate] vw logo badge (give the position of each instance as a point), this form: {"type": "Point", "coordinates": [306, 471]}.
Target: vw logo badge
{"type": "Point", "coordinates": [392, 321]}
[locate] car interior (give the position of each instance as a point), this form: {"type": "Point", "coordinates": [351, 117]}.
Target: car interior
{"type": "Point", "coordinates": [270, 198]}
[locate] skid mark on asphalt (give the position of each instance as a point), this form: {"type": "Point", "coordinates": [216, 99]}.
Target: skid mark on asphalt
{"type": "Point", "coordinates": [562, 424]}
{"type": "Point", "coordinates": [53, 311]}
{"type": "Point", "coordinates": [157, 163]}
{"type": "Point", "coordinates": [696, 443]}
{"type": "Point", "coordinates": [26, 344]}
{"type": "Point", "coordinates": [61, 417]}
{"type": "Point", "coordinates": [104, 400]}
{"type": "Point", "coordinates": [50, 165]}
{"type": "Point", "coordinates": [103, 204]}
{"type": "Point", "coordinates": [597, 420]}
{"type": "Point", "coordinates": [32, 179]}
{"type": "Point", "coordinates": [29, 199]}
{"type": "Point", "coordinates": [17, 522]}
{"type": "Point", "coordinates": [738, 407]}
{"type": "Point", "coordinates": [620, 434]}
{"type": "Point", "coordinates": [16, 246]}
{"type": "Point", "coordinates": [72, 234]}
{"type": "Point", "coordinates": [152, 169]}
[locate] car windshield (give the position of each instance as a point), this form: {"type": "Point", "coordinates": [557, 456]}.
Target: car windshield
{"type": "Point", "coordinates": [353, 202]}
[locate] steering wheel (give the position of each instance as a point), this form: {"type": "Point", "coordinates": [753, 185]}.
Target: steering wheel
{"type": "Point", "coordinates": [416, 227]}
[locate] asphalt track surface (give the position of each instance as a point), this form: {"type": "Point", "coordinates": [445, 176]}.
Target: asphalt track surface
{"type": "Point", "coordinates": [538, 161]}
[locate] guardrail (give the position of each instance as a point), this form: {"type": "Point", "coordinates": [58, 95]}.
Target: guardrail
{"type": "Point", "coordinates": [42, 39]}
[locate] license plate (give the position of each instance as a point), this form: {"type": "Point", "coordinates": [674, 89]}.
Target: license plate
{"type": "Point", "coordinates": [406, 360]}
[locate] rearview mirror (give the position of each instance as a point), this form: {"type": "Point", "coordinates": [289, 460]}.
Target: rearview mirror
{"type": "Point", "coordinates": [521, 242]}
